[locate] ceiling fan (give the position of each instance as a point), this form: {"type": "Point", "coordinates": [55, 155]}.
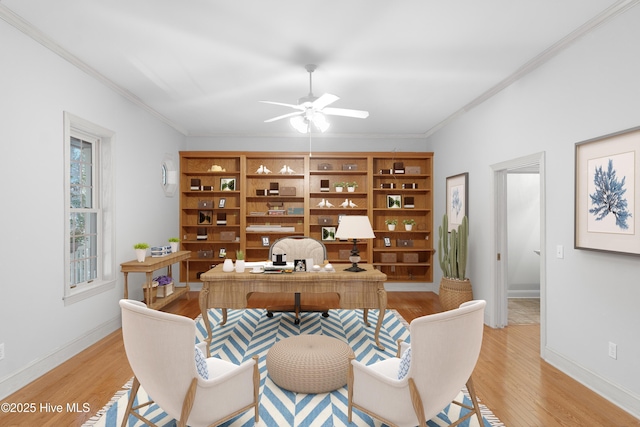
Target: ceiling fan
{"type": "Point", "coordinates": [312, 109]}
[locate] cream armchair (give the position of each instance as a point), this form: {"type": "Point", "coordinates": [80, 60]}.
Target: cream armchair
{"type": "Point", "coordinates": [161, 350]}
{"type": "Point", "coordinates": [444, 351]}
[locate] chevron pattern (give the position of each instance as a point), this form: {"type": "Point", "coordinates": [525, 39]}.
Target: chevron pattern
{"type": "Point", "coordinates": [250, 332]}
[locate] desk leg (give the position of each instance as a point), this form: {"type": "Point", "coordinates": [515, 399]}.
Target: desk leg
{"type": "Point", "coordinates": [365, 317]}
{"type": "Point", "coordinates": [224, 317]}
{"type": "Point", "coordinates": [203, 300]}
{"type": "Point", "coordinates": [126, 285]}
{"type": "Point", "coordinates": [382, 305]}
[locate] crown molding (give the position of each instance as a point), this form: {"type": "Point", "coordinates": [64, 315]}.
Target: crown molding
{"type": "Point", "coordinates": [19, 23]}
{"type": "Point", "coordinates": [546, 55]}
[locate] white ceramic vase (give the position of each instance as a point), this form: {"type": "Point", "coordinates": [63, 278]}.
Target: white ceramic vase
{"type": "Point", "coordinates": [227, 266]}
{"type": "Point", "coordinates": [351, 189]}
{"type": "Point", "coordinates": [240, 266]}
{"type": "Point", "coordinates": [391, 227]}
{"type": "Point", "coordinates": [408, 227]}
{"type": "Point", "coordinates": [141, 254]}
{"type": "Point", "coordinates": [338, 189]}
{"type": "Point", "coordinates": [174, 247]}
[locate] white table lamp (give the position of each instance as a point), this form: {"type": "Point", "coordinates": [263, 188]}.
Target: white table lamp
{"type": "Point", "coordinates": [355, 227]}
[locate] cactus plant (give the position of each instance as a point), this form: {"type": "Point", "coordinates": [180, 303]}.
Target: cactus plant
{"type": "Point", "coordinates": [453, 249]}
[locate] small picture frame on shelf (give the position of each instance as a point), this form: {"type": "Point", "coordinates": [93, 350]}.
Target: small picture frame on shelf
{"type": "Point", "coordinates": [222, 202]}
{"type": "Point", "coordinates": [227, 184]}
{"type": "Point", "coordinates": [222, 253]}
{"type": "Point", "coordinates": [205, 217]}
{"type": "Point", "coordinates": [387, 242]}
{"type": "Point", "coordinates": [265, 241]}
{"type": "Point", "coordinates": [328, 233]}
{"type": "Point", "coordinates": [394, 201]}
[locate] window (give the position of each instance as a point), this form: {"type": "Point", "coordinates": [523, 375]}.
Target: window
{"type": "Point", "coordinates": [89, 236]}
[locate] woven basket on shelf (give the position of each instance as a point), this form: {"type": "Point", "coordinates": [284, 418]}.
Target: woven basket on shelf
{"type": "Point", "coordinates": [454, 292]}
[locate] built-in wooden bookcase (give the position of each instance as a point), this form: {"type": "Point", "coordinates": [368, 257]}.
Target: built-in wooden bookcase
{"type": "Point", "coordinates": [402, 191]}
{"type": "Point", "coordinates": [274, 195]}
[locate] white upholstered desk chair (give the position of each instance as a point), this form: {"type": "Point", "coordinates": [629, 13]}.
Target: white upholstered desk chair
{"type": "Point", "coordinates": [299, 247]}
{"type": "Point", "coordinates": [444, 351]}
{"type": "Point", "coordinates": [162, 353]}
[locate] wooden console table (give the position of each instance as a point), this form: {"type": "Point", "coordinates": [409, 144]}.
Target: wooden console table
{"type": "Point", "coordinates": [148, 266]}
{"type": "Point", "coordinates": [363, 290]}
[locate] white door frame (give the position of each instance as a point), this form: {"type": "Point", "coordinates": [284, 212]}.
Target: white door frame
{"type": "Point", "coordinates": [500, 171]}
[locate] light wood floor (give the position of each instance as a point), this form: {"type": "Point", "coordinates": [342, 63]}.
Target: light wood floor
{"type": "Point", "coordinates": [510, 377]}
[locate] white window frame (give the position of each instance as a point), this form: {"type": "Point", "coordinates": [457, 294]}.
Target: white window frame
{"type": "Point", "coordinates": [103, 173]}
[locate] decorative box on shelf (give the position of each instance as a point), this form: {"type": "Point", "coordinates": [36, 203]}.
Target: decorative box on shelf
{"type": "Point", "coordinates": [325, 167]}
{"type": "Point", "coordinates": [413, 170]}
{"type": "Point", "coordinates": [166, 290]}
{"type": "Point", "coordinates": [404, 243]}
{"type": "Point", "coordinates": [349, 167]}
{"type": "Point", "coordinates": [325, 220]}
{"type": "Point", "coordinates": [324, 185]}
{"type": "Point", "coordinates": [162, 286]}
{"type": "Point", "coordinates": [410, 257]}
{"type": "Point", "coordinates": [228, 236]}
{"type": "Point", "coordinates": [195, 184]}
{"type": "Point", "coordinates": [388, 257]}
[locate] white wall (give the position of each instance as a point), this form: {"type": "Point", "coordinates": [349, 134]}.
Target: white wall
{"type": "Point", "coordinates": [38, 331]}
{"type": "Point", "coordinates": [523, 228]}
{"type": "Point", "coordinates": [589, 90]}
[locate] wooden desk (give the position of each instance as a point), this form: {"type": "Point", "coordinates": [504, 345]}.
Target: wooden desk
{"type": "Point", "coordinates": [148, 266]}
{"type": "Point", "coordinates": [355, 290]}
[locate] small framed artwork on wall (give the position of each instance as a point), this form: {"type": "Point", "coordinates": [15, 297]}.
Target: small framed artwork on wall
{"type": "Point", "coordinates": [457, 199]}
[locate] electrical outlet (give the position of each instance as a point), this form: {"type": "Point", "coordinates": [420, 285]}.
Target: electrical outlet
{"type": "Point", "coordinates": [559, 251]}
{"type": "Point", "coordinates": [613, 350]}
{"type": "Point", "coordinates": [1, 351]}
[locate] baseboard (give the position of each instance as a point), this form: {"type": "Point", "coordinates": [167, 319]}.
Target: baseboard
{"type": "Point", "coordinates": [523, 293]}
{"type": "Point", "coordinates": [410, 287]}
{"type": "Point", "coordinates": [41, 366]}
{"type": "Point", "coordinates": [619, 396]}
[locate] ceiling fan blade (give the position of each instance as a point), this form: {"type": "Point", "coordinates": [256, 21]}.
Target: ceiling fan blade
{"type": "Point", "coordinates": [297, 107]}
{"type": "Point", "coordinates": [357, 114]}
{"type": "Point", "coordinates": [324, 100]}
{"type": "Point", "coordinates": [284, 116]}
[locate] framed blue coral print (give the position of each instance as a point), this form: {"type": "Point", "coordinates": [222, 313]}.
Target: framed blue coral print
{"type": "Point", "coordinates": [457, 199]}
{"type": "Point", "coordinates": [606, 178]}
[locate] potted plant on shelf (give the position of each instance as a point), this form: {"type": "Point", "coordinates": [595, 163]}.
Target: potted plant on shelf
{"type": "Point", "coordinates": [141, 251]}
{"type": "Point", "coordinates": [173, 241]}
{"type": "Point", "coordinates": [239, 261]}
{"type": "Point", "coordinates": [351, 186]}
{"type": "Point", "coordinates": [391, 224]}
{"type": "Point", "coordinates": [340, 186]}
{"type": "Point", "coordinates": [408, 224]}
{"type": "Point", "coordinates": [455, 287]}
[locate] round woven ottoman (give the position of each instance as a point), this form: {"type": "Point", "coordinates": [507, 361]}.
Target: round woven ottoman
{"type": "Point", "coordinates": [309, 363]}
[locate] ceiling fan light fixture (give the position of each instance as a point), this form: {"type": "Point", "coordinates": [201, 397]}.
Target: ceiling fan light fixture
{"type": "Point", "coordinates": [299, 123]}
{"type": "Point", "coordinates": [320, 122]}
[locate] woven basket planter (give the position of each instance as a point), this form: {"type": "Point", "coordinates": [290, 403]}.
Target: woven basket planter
{"type": "Point", "coordinates": [454, 292]}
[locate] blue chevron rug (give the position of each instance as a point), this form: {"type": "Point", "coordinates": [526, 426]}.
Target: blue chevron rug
{"type": "Point", "coordinates": [250, 332]}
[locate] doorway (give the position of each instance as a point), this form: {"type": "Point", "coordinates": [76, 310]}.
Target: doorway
{"type": "Point", "coordinates": [532, 165]}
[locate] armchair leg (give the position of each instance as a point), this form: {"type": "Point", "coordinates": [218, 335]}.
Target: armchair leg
{"type": "Point", "coordinates": [132, 397]}
{"type": "Point", "coordinates": [416, 401]}
{"type": "Point", "coordinates": [187, 403]}
{"type": "Point", "coordinates": [471, 388]}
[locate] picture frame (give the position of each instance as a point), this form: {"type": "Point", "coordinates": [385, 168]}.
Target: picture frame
{"type": "Point", "coordinates": [265, 241]}
{"type": "Point", "coordinates": [222, 202]}
{"type": "Point", "coordinates": [300, 265]}
{"type": "Point", "coordinates": [387, 242]}
{"type": "Point", "coordinates": [394, 201]}
{"type": "Point", "coordinates": [222, 253]}
{"type": "Point", "coordinates": [205, 217]}
{"type": "Point", "coordinates": [328, 233]}
{"type": "Point", "coordinates": [457, 199]}
{"type": "Point", "coordinates": [228, 184]}
{"type": "Point", "coordinates": [606, 178]}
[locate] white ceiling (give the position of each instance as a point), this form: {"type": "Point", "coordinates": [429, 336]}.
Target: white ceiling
{"type": "Point", "coordinates": [203, 65]}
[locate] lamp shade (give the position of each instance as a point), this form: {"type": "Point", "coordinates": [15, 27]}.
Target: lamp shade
{"type": "Point", "coordinates": [355, 227]}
